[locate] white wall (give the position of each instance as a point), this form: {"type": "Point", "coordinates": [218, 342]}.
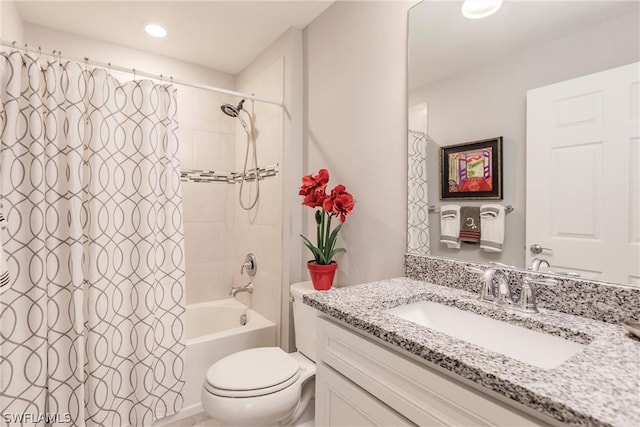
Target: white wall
{"type": "Point", "coordinates": [491, 101]}
{"type": "Point", "coordinates": [356, 127]}
{"type": "Point", "coordinates": [11, 25]}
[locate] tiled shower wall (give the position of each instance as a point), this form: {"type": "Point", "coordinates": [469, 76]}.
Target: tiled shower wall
{"type": "Point", "coordinates": [218, 232]}
{"type": "Point", "coordinates": [207, 142]}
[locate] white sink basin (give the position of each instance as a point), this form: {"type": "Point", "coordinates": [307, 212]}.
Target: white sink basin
{"type": "Point", "coordinates": [531, 347]}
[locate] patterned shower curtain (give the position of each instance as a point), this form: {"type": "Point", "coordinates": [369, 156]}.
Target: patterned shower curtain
{"type": "Point", "coordinates": [417, 196]}
{"type": "Point", "coordinates": [91, 323]}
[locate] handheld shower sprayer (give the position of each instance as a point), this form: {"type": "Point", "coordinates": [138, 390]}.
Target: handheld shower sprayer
{"type": "Point", "coordinates": [234, 111]}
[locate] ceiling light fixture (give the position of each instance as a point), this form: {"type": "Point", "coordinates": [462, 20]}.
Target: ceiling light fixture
{"type": "Point", "coordinates": [477, 9]}
{"type": "Point", "coordinates": [155, 30]}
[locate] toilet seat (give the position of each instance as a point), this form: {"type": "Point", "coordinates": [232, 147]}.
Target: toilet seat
{"type": "Point", "coordinates": [243, 374]}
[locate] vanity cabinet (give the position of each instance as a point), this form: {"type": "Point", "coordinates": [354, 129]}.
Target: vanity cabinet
{"type": "Point", "coordinates": [361, 382]}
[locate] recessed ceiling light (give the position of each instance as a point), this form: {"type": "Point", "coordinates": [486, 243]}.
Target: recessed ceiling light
{"type": "Point", "coordinates": [476, 9]}
{"type": "Point", "coordinates": [155, 30]}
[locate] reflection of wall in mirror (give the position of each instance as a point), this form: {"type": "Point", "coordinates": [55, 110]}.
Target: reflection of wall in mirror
{"type": "Point", "coordinates": [490, 100]}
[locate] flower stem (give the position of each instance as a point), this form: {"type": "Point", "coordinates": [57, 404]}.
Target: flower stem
{"type": "Point", "coordinates": [321, 240]}
{"type": "Point", "coordinates": [319, 235]}
{"type": "Point", "coordinates": [327, 250]}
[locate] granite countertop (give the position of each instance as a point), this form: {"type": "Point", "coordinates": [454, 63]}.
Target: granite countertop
{"type": "Point", "coordinates": [598, 386]}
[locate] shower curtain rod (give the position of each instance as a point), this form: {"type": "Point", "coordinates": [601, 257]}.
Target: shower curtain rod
{"type": "Point", "coordinates": [136, 72]}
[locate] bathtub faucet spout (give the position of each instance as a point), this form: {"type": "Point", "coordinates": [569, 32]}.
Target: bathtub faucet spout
{"type": "Point", "coordinates": [246, 288]}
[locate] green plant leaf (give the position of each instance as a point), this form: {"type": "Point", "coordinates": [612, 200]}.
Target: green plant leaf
{"type": "Point", "coordinates": [334, 233]}
{"type": "Point", "coordinates": [328, 251]}
{"type": "Point", "coordinates": [317, 253]}
{"type": "Point", "coordinates": [331, 240]}
{"type": "Point", "coordinates": [336, 251]}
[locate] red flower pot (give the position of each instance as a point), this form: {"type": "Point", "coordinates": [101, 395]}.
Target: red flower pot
{"type": "Point", "coordinates": [322, 275]}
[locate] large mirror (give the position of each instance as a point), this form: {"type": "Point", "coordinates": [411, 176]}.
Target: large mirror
{"type": "Point", "coordinates": [468, 81]}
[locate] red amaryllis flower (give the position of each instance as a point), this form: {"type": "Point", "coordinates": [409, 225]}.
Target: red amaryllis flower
{"type": "Point", "coordinates": [314, 188]}
{"type": "Point", "coordinates": [340, 202]}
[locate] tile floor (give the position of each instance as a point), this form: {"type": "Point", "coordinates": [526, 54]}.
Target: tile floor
{"type": "Point", "coordinates": [197, 420]}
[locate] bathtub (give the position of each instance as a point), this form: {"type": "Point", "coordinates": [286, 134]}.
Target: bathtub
{"type": "Point", "coordinates": [213, 331]}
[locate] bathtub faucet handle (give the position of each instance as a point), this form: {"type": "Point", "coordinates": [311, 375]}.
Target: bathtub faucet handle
{"type": "Point", "coordinates": [250, 265]}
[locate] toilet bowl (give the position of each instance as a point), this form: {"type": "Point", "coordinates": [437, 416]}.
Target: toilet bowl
{"type": "Point", "coordinates": [266, 385]}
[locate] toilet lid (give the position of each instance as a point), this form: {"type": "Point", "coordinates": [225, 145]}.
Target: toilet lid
{"type": "Point", "coordinates": [253, 369]}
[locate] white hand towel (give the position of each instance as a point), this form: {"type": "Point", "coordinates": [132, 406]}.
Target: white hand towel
{"type": "Point", "coordinates": [492, 228]}
{"type": "Point", "coordinates": [4, 274]}
{"type": "Point", "coordinates": [450, 226]}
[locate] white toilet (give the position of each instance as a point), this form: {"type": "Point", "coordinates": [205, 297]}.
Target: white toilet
{"type": "Point", "coordinates": [265, 385]}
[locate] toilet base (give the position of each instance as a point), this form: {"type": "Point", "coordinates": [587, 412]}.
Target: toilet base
{"type": "Point", "coordinates": [308, 417]}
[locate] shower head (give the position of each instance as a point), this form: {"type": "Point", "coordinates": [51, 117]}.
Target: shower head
{"type": "Point", "coordinates": [230, 110]}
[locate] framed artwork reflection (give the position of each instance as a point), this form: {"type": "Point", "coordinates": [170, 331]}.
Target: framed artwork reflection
{"type": "Point", "coordinates": [472, 171]}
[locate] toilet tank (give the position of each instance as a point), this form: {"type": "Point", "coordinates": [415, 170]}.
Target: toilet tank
{"type": "Point", "coordinates": [304, 320]}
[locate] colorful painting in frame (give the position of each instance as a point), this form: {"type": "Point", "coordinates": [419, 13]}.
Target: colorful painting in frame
{"type": "Point", "coordinates": [472, 170]}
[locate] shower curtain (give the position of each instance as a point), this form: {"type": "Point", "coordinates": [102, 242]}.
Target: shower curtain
{"type": "Point", "coordinates": [91, 324]}
{"type": "Point", "coordinates": [417, 197]}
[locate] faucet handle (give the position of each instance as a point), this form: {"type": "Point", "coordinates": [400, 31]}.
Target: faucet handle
{"type": "Point", "coordinates": [487, 291]}
{"type": "Point", "coordinates": [504, 290]}
{"type": "Point", "coordinates": [527, 301]}
{"type": "Point", "coordinates": [250, 265]}
{"type": "Point", "coordinates": [528, 295]}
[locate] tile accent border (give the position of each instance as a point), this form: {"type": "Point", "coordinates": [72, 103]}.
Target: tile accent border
{"type": "Point", "coordinates": [193, 175]}
{"type": "Point", "coordinates": [606, 302]}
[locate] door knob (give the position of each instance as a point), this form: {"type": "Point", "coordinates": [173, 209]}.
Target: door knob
{"type": "Point", "coordinates": [536, 249]}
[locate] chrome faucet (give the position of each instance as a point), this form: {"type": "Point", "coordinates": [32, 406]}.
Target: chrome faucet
{"type": "Point", "coordinates": [536, 263]}
{"type": "Point", "coordinates": [497, 289]}
{"type": "Point", "coordinates": [246, 288]}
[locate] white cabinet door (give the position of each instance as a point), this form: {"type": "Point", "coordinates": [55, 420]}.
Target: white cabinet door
{"type": "Point", "coordinates": [583, 186]}
{"type": "Point", "coordinates": [341, 403]}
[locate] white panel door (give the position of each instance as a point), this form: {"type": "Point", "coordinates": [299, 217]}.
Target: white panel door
{"type": "Point", "coordinates": [583, 185]}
